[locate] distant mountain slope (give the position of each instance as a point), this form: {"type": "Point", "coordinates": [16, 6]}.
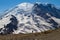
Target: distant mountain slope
{"type": "Point", "coordinates": [48, 35]}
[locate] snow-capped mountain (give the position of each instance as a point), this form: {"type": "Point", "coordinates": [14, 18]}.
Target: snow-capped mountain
{"type": "Point", "coordinates": [28, 18]}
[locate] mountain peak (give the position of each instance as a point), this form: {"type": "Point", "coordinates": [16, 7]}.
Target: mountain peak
{"type": "Point", "coordinates": [28, 18]}
{"type": "Point", "coordinates": [25, 6]}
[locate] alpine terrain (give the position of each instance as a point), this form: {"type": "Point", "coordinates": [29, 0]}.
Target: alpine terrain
{"type": "Point", "coordinates": [30, 18]}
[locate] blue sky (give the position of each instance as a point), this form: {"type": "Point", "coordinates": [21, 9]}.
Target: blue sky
{"type": "Point", "coordinates": [6, 4]}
